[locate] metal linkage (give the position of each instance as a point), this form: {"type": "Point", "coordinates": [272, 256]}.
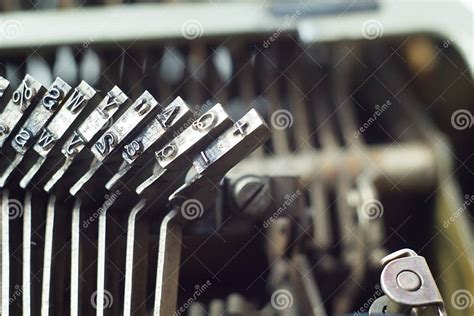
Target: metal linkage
{"type": "Point", "coordinates": [28, 134]}
{"type": "Point", "coordinates": [76, 160]}
{"type": "Point", "coordinates": [78, 105]}
{"type": "Point", "coordinates": [160, 131]}
{"type": "Point", "coordinates": [409, 287]}
{"type": "Point", "coordinates": [19, 106]}
{"type": "Point", "coordinates": [176, 155]}
{"type": "Point", "coordinates": [139, 113]}
{"type": "Point", "coordinates": [200, 133]}
{"type": "Point", "coordinates": [210, 165]}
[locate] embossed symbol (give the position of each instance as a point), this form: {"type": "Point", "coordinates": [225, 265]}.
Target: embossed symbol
{"type": "Point", "coordinates": [205, 122]}
{"type": "Point", "coordinates": [105, 144]}
{"type": "Point", "coordinates": [167, 152]}
{"type": "Point", "coordinates": [23, 95]}
{"type": "Point", "coordinates": [133, 149]}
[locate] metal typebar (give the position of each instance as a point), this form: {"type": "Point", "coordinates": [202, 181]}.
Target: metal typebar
{"type": "Point", "coordinates": [211, 164]}
{"type": "Point", "coordinates": [79, 104]}
{"type": "Point", "coordinates": [160, 131]}
{"type": "Point", "coordinates": [177, 154]}
{"type": "Point", "coordinates": [140, 112]}
{"type": "Point", "coordinates": [113, 105]}
{"type": "Point", "coordinates": [19, 107]}
{"type": "Point", "coordinates": [30, 130]}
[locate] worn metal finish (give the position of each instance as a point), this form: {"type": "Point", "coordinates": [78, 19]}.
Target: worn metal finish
{"type": "Point", "coordinates": [19, 106]}
{"type": "Point", "coordinates": [66, 118]}
{"type": "Point", "coordinates": [28, 134]}
{"type": "Point", "coordinates": [175, 157]}
{"type": "Point", "coordinates": [141, 111]}
{"type": "Point", "coordinates": [407, 280]}
{"type": "Point", "coordinates": [114, 103]}
{"type": "Point", "coordinates": [160, 131]}
{"type": "Point", "coordinates": [145, 106]}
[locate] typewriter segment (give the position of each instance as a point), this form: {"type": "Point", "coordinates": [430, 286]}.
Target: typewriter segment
{"type": "Point", "coordinates": [236, 158]}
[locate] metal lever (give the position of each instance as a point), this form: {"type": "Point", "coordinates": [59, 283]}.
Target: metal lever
{"type": "Point", "coordinates": [210, 165]}
{"type": "Point", "coordinates": [408, 285]}
{"type": "Point", "coordinates": [74, 109]}
{"type": "Point", "coordinates": [111, 106]}
{"type": "Point", "coordinates": [156, 134]}
{"type": "Point", "coordinates": [139, 113]}
{"type": "Point", "coordinates": [196, 135]}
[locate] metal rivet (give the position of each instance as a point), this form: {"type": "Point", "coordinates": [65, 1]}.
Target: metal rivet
{"type": "Point", "coordinates": [409, 280]}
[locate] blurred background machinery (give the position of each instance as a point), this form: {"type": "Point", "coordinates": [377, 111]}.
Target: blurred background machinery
{"type": "Point", "coordinates": [369, 104]}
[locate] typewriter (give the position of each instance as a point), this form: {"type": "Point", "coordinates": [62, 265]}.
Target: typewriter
{"type": "Point", "coordinates": [231, 158]}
